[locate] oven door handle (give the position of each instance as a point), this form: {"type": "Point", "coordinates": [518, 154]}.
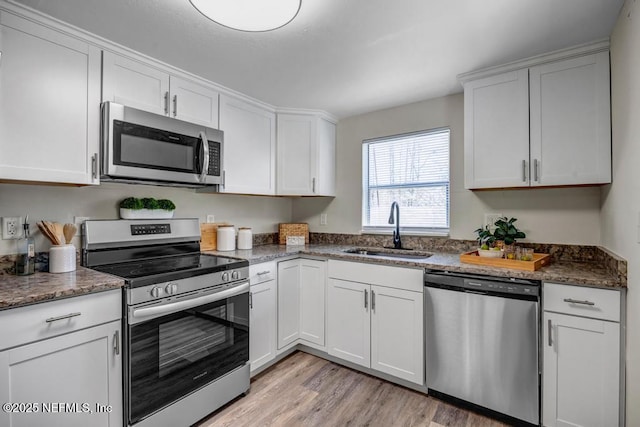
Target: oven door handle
{"type": "Point", "coordinates": [159, 310]}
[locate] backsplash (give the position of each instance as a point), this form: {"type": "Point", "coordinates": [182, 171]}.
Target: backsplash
{"type": "Point", "coordinates": [577, 253]}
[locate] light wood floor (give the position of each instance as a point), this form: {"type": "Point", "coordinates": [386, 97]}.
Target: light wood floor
{"type": "Point", "coordinates": [304, 390]}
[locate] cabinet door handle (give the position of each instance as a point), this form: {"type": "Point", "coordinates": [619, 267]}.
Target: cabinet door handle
{"type": "Point", "coordinates": [175, 105]}
{"type": "Point", "coordinates": [373, 300]}
{"type": "Point", "coordinates": [577, 301]}
{"type": "Point", "coordinates": [262, 273]}
{"type": "Point", "coordinates": [166, 102]}
{"type": "Point", "coordinates": [313, 185]}
{"type": "Point", "coordinates": [116, 342]}
{"type": "Point", "coordinates": [366, 299]}
{"type": "Point", "coordinates": [536, 176]}
{"type": "Point", "coordinates": [94, 166]}
{"type": "Point", "coordinates": [251, 300]}
{"type": "Point", "coordinates": [224, 178]}
{"type": "Point", "coordinates": [524, 171]}
{"type": "Point", "coordinates": [66, 316]}
{"type": "Point", "coordinates": [549, 330]}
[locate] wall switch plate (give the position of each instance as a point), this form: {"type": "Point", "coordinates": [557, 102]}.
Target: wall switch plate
{"type": "Point", "coordinates": [323, 219]}
{"type": "Point", "coordinates": [211, 218]}
{"type": "Point", "coordinates": [490, 219]}
{"type": "Point", "coordinates": [11, 227]}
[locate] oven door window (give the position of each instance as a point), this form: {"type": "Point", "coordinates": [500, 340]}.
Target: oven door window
{"type": "Point", "coordinates": [145, 147]}
{"type": "Point", "coordinates": [176, 354]}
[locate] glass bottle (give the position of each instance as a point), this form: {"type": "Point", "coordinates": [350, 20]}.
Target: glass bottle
{"type": "Point", "coordinates": [26, 259]}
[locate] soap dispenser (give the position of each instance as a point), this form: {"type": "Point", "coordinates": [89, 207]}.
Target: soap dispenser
{"type": "Point", "coordinates": [26, 258]}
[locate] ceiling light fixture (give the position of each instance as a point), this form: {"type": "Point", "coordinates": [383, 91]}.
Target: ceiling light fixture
{"type": "Point", "coordinates": [249, 15]}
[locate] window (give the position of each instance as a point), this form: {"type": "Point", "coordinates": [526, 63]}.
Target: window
{"type": "Point", "coordinates": [413, 170]}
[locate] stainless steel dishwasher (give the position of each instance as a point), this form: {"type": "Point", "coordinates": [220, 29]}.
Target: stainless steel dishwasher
{"type": "Point", "coordinates": [482, 344]}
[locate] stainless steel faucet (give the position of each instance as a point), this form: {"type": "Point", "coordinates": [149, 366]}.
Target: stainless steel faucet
{"type": "Point", "coordinates": [397, 243]}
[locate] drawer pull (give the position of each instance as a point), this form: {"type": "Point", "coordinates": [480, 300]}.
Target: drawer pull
{"type": "Point", "coordinates": [577, 301]}
{"type": "Point", "coordinates": [262, 273]}
{"type": "Point", "coordinates": [66, 316]}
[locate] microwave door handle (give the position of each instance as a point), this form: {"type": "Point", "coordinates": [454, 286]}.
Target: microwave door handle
{"type": "Point", "coordinates": [205, 159]}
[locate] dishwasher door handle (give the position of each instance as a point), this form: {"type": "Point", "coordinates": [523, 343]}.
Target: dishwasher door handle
{"type": "Point", "coordinates": [467, 291]}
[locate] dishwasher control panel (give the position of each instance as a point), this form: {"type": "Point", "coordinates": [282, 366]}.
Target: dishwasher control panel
{"type": "Point", "coordinates": [481, 284]}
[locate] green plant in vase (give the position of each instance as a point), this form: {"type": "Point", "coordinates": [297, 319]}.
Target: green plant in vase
{"type": "Point", "coordinates": [485, 238]}
{"type": "Point", "coordinates": [507, 232]}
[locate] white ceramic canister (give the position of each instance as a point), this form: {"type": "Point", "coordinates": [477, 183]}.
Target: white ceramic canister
{"type": "Point", "coordinates": [226, 240]}
{"type": "Point", "coordinates": [245, 238]}
{"type": "Point", "coordinates": [62, 258]}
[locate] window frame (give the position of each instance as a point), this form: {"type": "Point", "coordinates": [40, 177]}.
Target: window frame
{"type": "Point", "coordinates": [387, 229]}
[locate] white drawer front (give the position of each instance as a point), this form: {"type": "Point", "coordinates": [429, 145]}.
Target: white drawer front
{"type": "Point", "coordinates": [262, 272]}
{"type": "Point", "coordinates": [23, 325]}
{"type": "Point", "coordinates": [409, 279]}
{"type": "Point", "coordinates": [582, 301]}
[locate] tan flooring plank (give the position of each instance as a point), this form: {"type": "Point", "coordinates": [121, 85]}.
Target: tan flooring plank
{"type": "Point", "coordinates": [307, 391]}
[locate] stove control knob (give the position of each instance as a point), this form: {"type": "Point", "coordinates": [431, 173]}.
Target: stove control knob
{"type": "Point", "coordinates": [171, 289]}
{"type": "Point", "coordinates": [225, 277]}
{"type": "Point", "coordinates": [235, 275]}
{"type": "Point", "coordinates": [156, 292]}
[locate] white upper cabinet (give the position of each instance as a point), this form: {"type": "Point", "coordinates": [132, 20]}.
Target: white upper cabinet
{"type": "Point", "coordinates": [546, 123]}
{"type": "Point", "coordinates": [249, 147]}
{"type": "Point", "coordinates": [306, 155]}
{"type": "Point", "coordinates": [496, 129]}
{"type": "Point", "coordinates": [571, 121]}
{"type": "Point", "coordinates": [137, 84]}
{"type": "Point", "coordinates": [49, 104]}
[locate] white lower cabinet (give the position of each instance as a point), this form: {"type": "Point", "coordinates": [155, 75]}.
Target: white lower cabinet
{"type": "Point", "coordinates": [378, 326]}
{"type": "Point", "coordinates": [581, 357]}
{"type": "Point", "coordinates": [71, 379]}
{"type": "Point", "coordinates": [263, 316]}
{"type": "Point", "coordinates": [348, 321]}
{"type": "Point", "coordinates": [301, 302]}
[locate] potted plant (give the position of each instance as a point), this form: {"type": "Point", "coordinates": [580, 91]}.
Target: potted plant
{"type": "Point", "coordinates": [506, 231]}
{"type": "Point", "coordinates": [487, 242]}
{"type": "Point", "coordinates": [146, 208]}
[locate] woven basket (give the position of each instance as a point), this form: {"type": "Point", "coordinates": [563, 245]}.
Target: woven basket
{"type": "Point", "coordinates": [285, 229]}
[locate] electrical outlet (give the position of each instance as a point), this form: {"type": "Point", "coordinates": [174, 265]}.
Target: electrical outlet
{"type": "Point", "coordinates": [211, 218]}
{"type": "Point", "coordinates": [490, 219]}
{"type": "Point", "coordinates": [323, 219]}
{"type": "Point", "coordinates": [11, 227]}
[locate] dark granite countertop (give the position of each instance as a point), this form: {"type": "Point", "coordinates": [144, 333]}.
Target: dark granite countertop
{"type": "Point", "coordinates": [567, 272]}
{"type": "Point", "coordinates": [17, 291]}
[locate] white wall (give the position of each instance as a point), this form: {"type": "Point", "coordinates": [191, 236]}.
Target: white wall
{"type": "Point", "coordinates": [63, 203]}
{"type": "Point", "coordinates": [570, 215]}
{"type": "Point", "coordinates": [621, 200]}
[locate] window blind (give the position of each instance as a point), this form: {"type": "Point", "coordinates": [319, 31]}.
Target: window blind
{"type": "Point", "coordinates": [413, 170]}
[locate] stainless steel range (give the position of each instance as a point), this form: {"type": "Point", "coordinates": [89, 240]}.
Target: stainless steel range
{"type": "Point", "coordinates": [186, 339]}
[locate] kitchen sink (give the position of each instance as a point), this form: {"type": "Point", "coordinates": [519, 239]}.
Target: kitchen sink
{"type": "Point", "coordinates": [389, 253]}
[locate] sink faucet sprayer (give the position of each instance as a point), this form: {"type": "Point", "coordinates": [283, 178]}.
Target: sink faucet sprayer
{"type": "Point", "coordinates": [397, 244]}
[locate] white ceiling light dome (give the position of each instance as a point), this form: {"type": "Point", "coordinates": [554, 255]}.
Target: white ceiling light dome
{"type": "Point", "coordinates": [249, 15]}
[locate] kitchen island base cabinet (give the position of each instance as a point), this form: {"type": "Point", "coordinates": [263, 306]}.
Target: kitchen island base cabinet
{"type": "Point", "coordinates": [375, 326]}
{"type": "Point", "coordinates": [71, 380]}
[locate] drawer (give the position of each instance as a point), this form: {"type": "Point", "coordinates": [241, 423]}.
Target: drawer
{"type": "Point", "coordinates": [582, 301]}
{"type": "Point", "coordinates": [36, 322]}
{"type": "Point", "coordinates": [262, 272]}
{"type": "Point", "coordinates": [409, 279]}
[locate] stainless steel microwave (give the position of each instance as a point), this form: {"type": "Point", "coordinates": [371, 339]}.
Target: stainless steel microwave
{"type": "Point", "coordinates": [146, 148]}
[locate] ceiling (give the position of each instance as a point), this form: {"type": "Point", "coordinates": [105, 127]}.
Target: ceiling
{"type": "Point", "coordinates": [345, 57]}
